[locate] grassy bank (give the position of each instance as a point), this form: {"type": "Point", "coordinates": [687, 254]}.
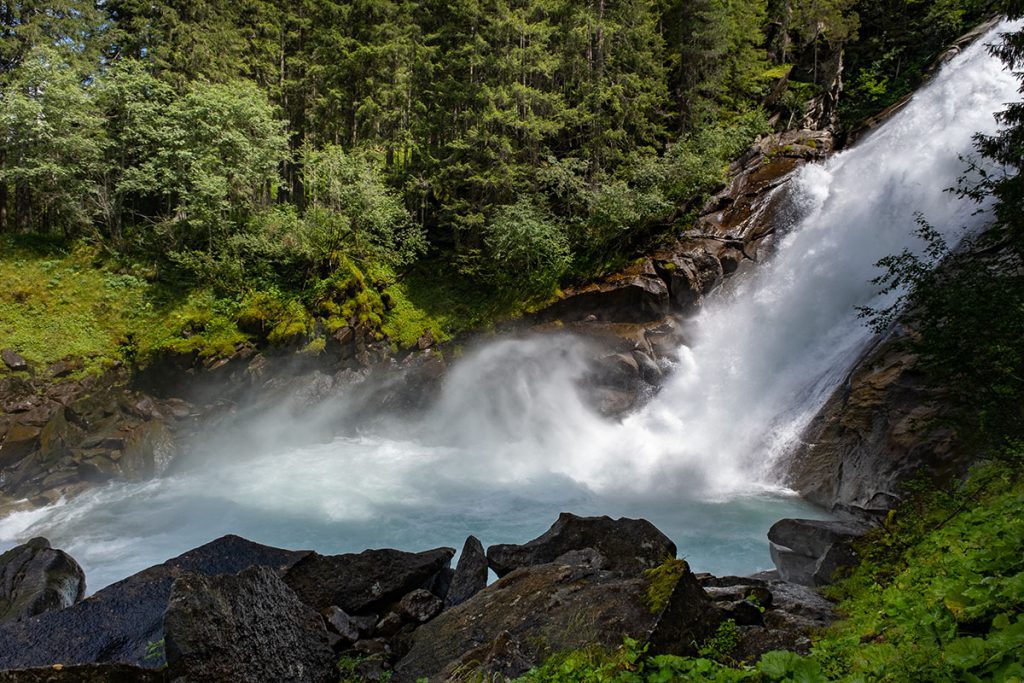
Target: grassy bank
{"type": "Point", "coordinates": [62, 301]}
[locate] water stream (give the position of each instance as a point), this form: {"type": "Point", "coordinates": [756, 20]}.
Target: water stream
{"type": "Point", "coordinates": [510, 444]}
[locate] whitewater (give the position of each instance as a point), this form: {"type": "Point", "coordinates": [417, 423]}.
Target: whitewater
{"type": "Point", "coordinates": [511, 442]}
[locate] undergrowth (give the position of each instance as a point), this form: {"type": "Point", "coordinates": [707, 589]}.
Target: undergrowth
{"type": "Point", "coordinates": [67, 300]}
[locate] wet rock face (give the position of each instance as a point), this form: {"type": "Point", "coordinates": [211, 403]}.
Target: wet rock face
{"type": "Point", "coordinates": [881, 427]}
{"type": "Point", "coordinates": [35, 578]}
{"type": "Point", "coordinates": [628, 546]}
{"type": "Point", "coordinates": [121, 622]}
{"type": "Point", "coordinates": [59, 438]}
{"type": "Point", "coordinates": [361, 582]}
{"type": "Point", "coordinates": [250, 626]}
{"type": "Point", "coordinates": [810, 552]}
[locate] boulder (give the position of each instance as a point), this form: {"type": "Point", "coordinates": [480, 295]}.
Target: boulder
{"type": "Point", "coordinates": [366, 581]}
{"type": "Point", "coordinates": [470, 573]}
{"type": "Point", "coordinates": [771, 614]}
{"type": "Point", "coordinates": [121, 622]}
{"type": "Point", "coordinates": [536, 611]}
{"type": "Point", "coordinates": [636, 295]}
{"type": "Point", "coordinates": [13, 360]}
{"type": "Point", "coordinates": [420, 606]}
{"type": "Point", "coordinates": [21, 440]}
{"type": "Point", "coordinates": [245, 627]}
{"type": "Point", "coordinates": [809, 552]}
{"type": "Point", "coordinates": [628, 546]}
{"type": "Point", "coordinates": [690, 275]}
{"type": "Point", "coordinates": [344, 625]}
{"type": "Point", "coordinates": [35, 578]}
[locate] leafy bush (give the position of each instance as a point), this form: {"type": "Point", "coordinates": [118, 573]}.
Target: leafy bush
{"type": "Point", "coordinates": [524, 246]}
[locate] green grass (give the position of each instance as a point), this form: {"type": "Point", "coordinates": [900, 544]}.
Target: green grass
{"type": "Point", "coordinates": [57, 304]}
{"type": "Point", "coordinates": [59, 301]}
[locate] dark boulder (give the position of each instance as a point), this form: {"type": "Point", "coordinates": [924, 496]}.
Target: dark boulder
{"type": "Point", "coordinates": [470, 573]}
{"type": "Point", "coordinates": [809, 552]}
{"type": "Point", "coordinates": [771, 614]}
{"type": "Point", "coordinates": [244, 627]}
{"type": "Point", "coordinates": [366, 581]}
{"type": "Point", "coordinates": [420, 606]}
{"type": "Point", "coordinates": [345, 626]}
{"type": "Point", "coordinates": [629, 546]}
{"type": "Point", "coordinates": [636, 295]}
{"type": "Point", "coordinates": [35, 578]}
{"type": "Point", "coordinates": [534, 612]}
{"type": "Point", "coordinates": [121, 622]}
{"type": "Point", "coordinates": [13, 360]}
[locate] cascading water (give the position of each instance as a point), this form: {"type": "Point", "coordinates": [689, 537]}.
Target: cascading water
{"type": "Point", "coordinates": [510, 443]}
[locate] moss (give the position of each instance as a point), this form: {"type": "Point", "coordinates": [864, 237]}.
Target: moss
{"type": "Point", "coordinates": [405, 322]}
{"type": "Point", "coordinates": [316, 346]}
{"type": "Point", "coordinates": [661, 581]}
{"type": "Point", "coordinates": [59, 304]}
{"type": "Point", "coordinates": [200, 323]}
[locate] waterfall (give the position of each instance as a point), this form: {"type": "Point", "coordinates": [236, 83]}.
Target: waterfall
{"type": "Point", "coordinates": [510, 442]}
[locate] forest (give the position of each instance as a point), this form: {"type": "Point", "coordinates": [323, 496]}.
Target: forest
{"type": "Point", "coordinates": [292, 165]}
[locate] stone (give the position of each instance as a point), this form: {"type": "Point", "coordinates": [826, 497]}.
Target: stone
{"type": "Point", "coordinates": [744, 613]}
{"type": "Point", "coordinates": [342, 624]}
{"type": "Point", "coordinates": [636, 295]}
{"type": "Point", "coordinates": [470, 573]}
{"type": "Point", "coordinates": [244, 627]}
{"type": "Point", "coordinates": [809, 552]}
{"type": "Point", "coordinates": [389, 625]}
{"type": "Point", "coordinates": [648, 369]}
{"type": "Point", "coordinates": [425, 341]}
{"type": "Point", "coordinates": [533, 612]}
{"type": "Point", "coordinates": [372, 647]}
{"type": "Point", "coordinates": [13, 360]}
{"type": "Point", "coordinates": [63, 368]}
{"type": "Point", "coordinates": [420, 606]}
{"type": "Point", "coordinates": [35, 578]}
{"type": "Point", "coordinates": [366, 581]}
{"type": "Point", "coordinates": [120, 622]}
{"type": "Point", "coordinates": [148, 450]}
{"type": "Point", "coordinates": [628, 545]}
{"type": "Point", "coordinates": [20, 441]}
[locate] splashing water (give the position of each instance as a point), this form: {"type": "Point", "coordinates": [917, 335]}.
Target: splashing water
{"type": "Point", "coordinates": [510, 443]}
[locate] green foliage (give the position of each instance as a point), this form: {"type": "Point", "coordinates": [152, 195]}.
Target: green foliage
{"type": "Point", "coordinates": [899, 39]}
{"type": "Point", "coordinates": [938, 595]}
{"type": "Point", "coordinates": [721, 645]}
{"type": "Point", "coordinates": [697, 164]}
{"type": "Point", "coordinates": [523, 241]}
{"type": "Point", "coordinates": [661, 581]}
{"type": "Point", "coordinates": [353, 210]}
{"type": "Point", "coordinates": [55, 304]}
{"type": "Point", "coordinates": [53, 143]}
